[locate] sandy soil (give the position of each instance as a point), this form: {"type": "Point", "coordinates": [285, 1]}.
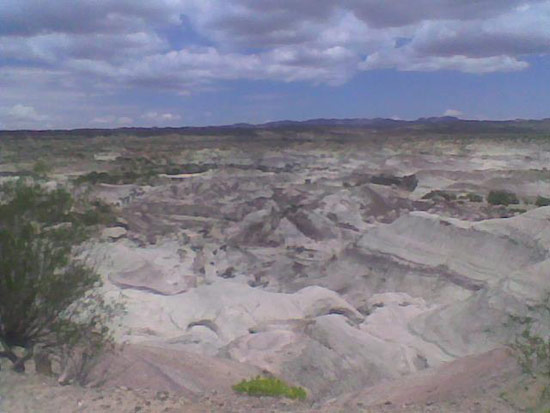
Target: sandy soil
{"type": "Point", "coordinates": [487, 383]}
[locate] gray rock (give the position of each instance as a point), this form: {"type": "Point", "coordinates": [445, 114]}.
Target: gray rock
{"type": "Point", "coordinates": [113, 233]}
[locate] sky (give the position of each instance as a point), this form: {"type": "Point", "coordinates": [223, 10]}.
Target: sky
{"type": "Point", "coordinates": [115, 63]}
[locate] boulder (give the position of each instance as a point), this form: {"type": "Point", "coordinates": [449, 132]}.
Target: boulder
{"type": "Point", "coordinates": [113, 233]}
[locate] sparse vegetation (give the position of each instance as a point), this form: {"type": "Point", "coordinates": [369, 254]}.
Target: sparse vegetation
{"type": "Point", "coordinates": [533, 353]}
{"type": "Point", "coordinates": [440, 195]}
{"type": "Point", "coordinates": [41, 169]}
{"type": "Point", "coordinates": [473, 197]}
{"type": "Point", "coordinates": [117, 177]}
{"type": "Point", "coordinates": [138, 170]}
{"type": "Point", "coordinates": [48, 297]}
{"type": "Point", "coordinates": [502, 198]}
{"type": "Point", "coordinates": [542, 201]}
{"type": "Point", "coordinates": [532, 348]}
{"type": "Point", "coordinates": [99, 213]}
{"type": "Point", "coordinates": [269, 386]}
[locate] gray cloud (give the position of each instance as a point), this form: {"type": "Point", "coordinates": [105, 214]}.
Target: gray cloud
{"type": "Point", "coordinates": [267, 23]}
{"type": "Point", "coordinates": [397, 13]}
{"type": "Point", "coordinates": [56, 48]}
{"type": "Point", "coordinates": [520, 32]}
{"type": "Point", "coordinates": [35, 17]}
{"type": "Point", "coordinates": [474, 46]}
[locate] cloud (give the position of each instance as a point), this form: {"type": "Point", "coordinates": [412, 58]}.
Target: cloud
{"type": "Point", "coordinates": [124, 120]}
{"type": "Point", "coordinates": [105, 120]}
{"type": "Point", "coordinates": [110, 121]}
{"type": "Point", "coordinates": [22, 112]}
{"type": "Point", "coordinates": [196, 67]}
{"type": "Point", "coordinates": [163, 118]}
{"type": "Point", "coordinates": [409, 60]}
{"type": "Point", "coordinates": [60, 48]}
{"type": "Point", "coordinates": [33, 17]}
{"type": "Point", "coordinates": [263, 23]}
{"type": "Point", "coordinates": [401, 13]}
{"type": "Point", "coordinates": [318, 41]}
{"type": "Point", "coordinates": [453, 112]}
{"type": "Point", "coordinates": [496, 44]}
{"type": "Point", "coordinates": [21, 116]}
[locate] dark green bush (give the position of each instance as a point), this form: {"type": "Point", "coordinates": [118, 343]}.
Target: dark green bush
{"type": "Point", "coordinates": [542, 201]}
{"type": "Point", "coordinates": [440, 195]}
{"type": "Point", "coordinates": [532, 348]}
{"type": "Point", "coordinates": [502, 198]}
{"type": "Point", "coordinates": [139, 171]}
{"type": "Point", "coordinates": [100, 213]}
{"type": "Point", "coordinates": [41, 169]}
{"type": "Point", "coordinates": [119, 177]}
{"type": "Point", "coordinates": [269, 386]}
{"type": "Point", "coordinates": [47, 297]}
{"type": "Point", "coordinates": [473, 197]}
{"type": "Point", "coordinates": [533, 353]}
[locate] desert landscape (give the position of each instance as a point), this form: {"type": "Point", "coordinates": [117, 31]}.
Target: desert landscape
{"type": "Point", "coordinates": [274, 206]}
{"type": "Point", "coordinates": [380, 265]}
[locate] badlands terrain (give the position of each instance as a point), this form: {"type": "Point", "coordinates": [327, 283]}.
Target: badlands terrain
{"type": "Point", "coordinates": [358, 260]}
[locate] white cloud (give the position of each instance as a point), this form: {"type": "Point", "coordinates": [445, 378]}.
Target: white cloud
{"type": "Point", "coordinates": [453, 112]}
{"type": "Point", "coordinates": [109, 121]}
{"type": "Point", "coordinates": [124, 120]}
{"type": "Point", "coordinates": [20, 116]}
{"type": "Point", "coordinates": [407, 59]}
{"type": "Point", "coordinates": [25, 113]}
{"type": "Point", "coordinates": [166, 117]}
{"type": "Point", "coordinates": [106, 120]}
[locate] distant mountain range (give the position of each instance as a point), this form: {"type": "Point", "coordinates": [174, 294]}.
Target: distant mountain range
{"type": "Point", "coordinates": [384, 122]}
{"type": "Point", "coordinates": [381, 122]}
{"type": "Point", "coordinates": [444, 124]}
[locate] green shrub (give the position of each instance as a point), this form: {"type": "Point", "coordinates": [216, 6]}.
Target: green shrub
{"type": "Point", "coordinates": [502, 198]}
{"type": "Point", "coordinates": [117, 177]}
{"type": "Point", "coordinates": [48, 298]}
{"type": "Point", "coordinates": [532, 345]}
{"type": "Point", "coordinates": [100, 213]}
{"type": "Point", "coordinates": [473, 197]}
{"type": "Point", "coordinates": [269, 386]}
{"type": "Point", "coordinates": [41, 169]}
{"type": "Point", "coordinates": [440, 195]}
{"type": "Point", "coordinates": [144, 176]}
{"type": "Point", "coordinates": [533, 353]}
{"type": "Point", "coordinates": [542, 201]}
{"type": "Point", "coordinates": [532, 349]}
{"type": "Point", "coordinates": [139, 171]}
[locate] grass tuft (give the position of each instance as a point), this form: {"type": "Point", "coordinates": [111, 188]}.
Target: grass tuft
{"type": "Point", "coordinates": [542, 201]}
{"type": "Point", "coordinates": [269, 386]}
{"type": "Point", "coordinates": [502, 198]}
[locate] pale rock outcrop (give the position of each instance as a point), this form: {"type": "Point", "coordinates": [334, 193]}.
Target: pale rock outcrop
{"type": "Point", "coordinates": [113, 233]}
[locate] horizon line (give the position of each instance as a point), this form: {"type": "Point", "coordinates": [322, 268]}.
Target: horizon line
{"type": "Point", "coordinates": [306, 122]}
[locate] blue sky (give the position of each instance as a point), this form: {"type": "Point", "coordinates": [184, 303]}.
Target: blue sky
{"type": "Point", "coordinates": [111, 63]}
